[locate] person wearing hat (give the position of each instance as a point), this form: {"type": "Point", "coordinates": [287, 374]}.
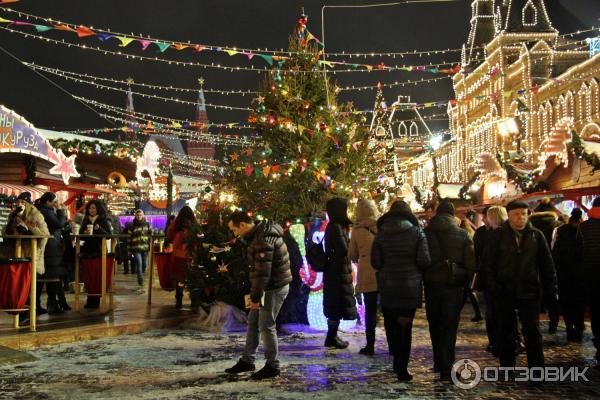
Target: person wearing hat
{"type": "Point", "coordinates": [452, 265]}
{"type": "Point", "coordinates": [517, 267]}
{"type": "Point", "coordinates": [589, 235]}
{"type": "Point", "coordinates": [25, 219]}
{"type": "Point", "coordinates": [338, 290]}
{"type": "Point", "coordinates": [571, 289]}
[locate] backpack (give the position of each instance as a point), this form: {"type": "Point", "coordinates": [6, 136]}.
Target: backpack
{"type": "Point", "coordinates": [446, 272]}
{"type": "Point", "coordinates": [315, 255]}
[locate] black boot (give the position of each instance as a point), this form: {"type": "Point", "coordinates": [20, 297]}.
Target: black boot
{"type": "Point", "coordinates": [241, 366]}
{"type": "Point", "coordinates": [369, 349]}
{"type": "Point", "coordinates": [62, 300]}
{"type": "Point", "coordinates": [178, 297]}
{"type": "Point", "coordinates": [332, 339]}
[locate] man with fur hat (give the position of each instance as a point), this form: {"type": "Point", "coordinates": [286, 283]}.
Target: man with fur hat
{"type": "Point", "coordinates": [27, 220]}
{"type": "Point", "coordinates": [518, 266]}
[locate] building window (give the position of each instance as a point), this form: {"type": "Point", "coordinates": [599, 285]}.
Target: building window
{"type": "Point", "coordinates": [414, 129]}
{"type": "Point", "coordinates": [529, 14]}
{"type": "Point", "coordinates": [402, 130]}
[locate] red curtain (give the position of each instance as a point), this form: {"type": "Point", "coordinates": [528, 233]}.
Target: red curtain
{"type": "Point", "coordinates": [15, 283]}
{"type": "Point", "coordinates": [92, 274]}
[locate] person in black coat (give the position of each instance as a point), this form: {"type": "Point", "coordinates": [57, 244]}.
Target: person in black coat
{"type": "Point", "coordinates": [589, 236]}
{"type": "Point", "coordinates": [53, 255]}
{"type": "Point", "coordinates": [452, 265]}
{"type": "Point", "coordinates": [270, 278]}
{"type": "Point", "coordinates": [95, 216]}
{"type": "Point", "coordinates": [400, 255]}
{"type": "Point", "coordinates": [338, 289]}
{"type": "Point", "coordinates": [546, 218]}
{"type": "Point", "coordinates": [517, 266]}
{"type": "Point", "coordinates": [571, 289]}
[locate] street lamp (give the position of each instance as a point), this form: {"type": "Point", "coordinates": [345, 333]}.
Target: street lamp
{"type": "Point", "coordinates": [511, 128]}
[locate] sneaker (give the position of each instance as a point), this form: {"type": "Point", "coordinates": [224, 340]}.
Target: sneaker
{"type": "Point", "coordinates": [336, 342]}
{"type": "Point", "coordinates": [40, 311]}
{"type": "Point", "coordinates": [241, 366]}
{"type": "Point", "coordinates": [265, 373]}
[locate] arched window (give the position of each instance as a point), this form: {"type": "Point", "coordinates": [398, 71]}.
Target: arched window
{"type": "Point", "coordinates": [595, 99]}
{"type": "Point", "coordinates": [584, 102]}
{"type": "Point", "coordinates": [570, 105]}
{"type": "Point", "coordinates": [529, 14]}
{"type": "Point", "coordinates": [414, 129]}
{"type": "Point", "coordinates": [402, 130]}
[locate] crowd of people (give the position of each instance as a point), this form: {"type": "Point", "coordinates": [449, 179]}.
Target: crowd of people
{"type": "Point", "coordinates": [524, 262]}
{"type": "Point", "coordinates": [56, 253]}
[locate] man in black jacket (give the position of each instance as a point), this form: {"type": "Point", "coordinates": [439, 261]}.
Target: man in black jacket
{"type": "Point", "coordinates": [518, 267]}
{"type": "Point", "coordinates": [270, 278]}
{"type": "Point", "coordinates": [589, 235]}
{"type": "Point", "coordinates": [452, 265]}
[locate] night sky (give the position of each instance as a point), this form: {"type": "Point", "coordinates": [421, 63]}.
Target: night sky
{"type": "Point", "coordinates": [242, 23]}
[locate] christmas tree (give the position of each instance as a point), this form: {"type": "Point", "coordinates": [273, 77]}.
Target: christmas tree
{"type": "Point", "coordinates": [311, 148]}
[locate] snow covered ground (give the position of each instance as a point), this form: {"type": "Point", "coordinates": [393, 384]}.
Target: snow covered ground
{"type": "Point", "coordinates": [188, 364]}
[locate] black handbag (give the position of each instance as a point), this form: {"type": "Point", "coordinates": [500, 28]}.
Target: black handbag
{"type": "Point", "coordinates": [447, 271]}
{"type": "Point", "coordinates": [315, 255]}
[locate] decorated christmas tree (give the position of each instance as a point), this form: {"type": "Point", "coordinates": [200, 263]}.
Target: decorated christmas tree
{"type": "Point", "coordinates": [311, 148]}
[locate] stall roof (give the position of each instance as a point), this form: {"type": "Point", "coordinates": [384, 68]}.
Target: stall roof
{"type": "Point", "coordinates": [52, 135]}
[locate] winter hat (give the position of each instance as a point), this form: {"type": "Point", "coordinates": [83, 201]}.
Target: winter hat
{"type": "Point", "coordinates": [25, 196]}
{"type": "Point", "coordinates": [337, 209]}
{"type": "Point", "coordinates": [365, 209]}
{"type": "Point", "coordinates": [516, 204]}
{"type": "Point", "coordinates": [545, 205]}
{"type": "Point", "coordinates": [445, 207]}
{"type": "Point", "coordinates": [576, 213]}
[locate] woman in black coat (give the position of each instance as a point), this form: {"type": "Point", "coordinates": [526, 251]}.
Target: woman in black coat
{"type": "Point", "coordinates": [53, 254]}
{"type": "Point", "coordinates": [400, 255]}
{"type": "Point", "coordinates": [338, 291]}
{"type": "Point", "coordinates": [95, 215]}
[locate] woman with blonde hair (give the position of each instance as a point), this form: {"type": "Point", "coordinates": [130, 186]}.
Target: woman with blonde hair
{"type": "Point", "coordinates": [359, 252]}
{"type": "Point", "coordinates": [496, 216]}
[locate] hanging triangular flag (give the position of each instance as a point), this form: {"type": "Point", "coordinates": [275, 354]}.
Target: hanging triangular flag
{"type": "Point", "coordinates": [63, 27]}
{"type": "Point", "coordinates": [144, 43]}
{"type": "Point", "coordinates": [23, 23]}
{"type": "Point", "coordinates": [249, 55]}
{"type": "Point", "coordinates": [42, 28]}
{"type": "Point", "coordinates": [124, 40]}
{"type": "Point", "coordinates": [267, 58]}
{"type": "Point", "coordinates": [301, 129]}
{"type": "Point", "coordinates": [231, 52]}
{"type": "Point", "coordinates": [266, 170]}
{"type": "Point", "coordinates": [368, 67]}
{"type": "Point", "coordinates": [249, 170]}
{"type": "Point", "coordinates": [83, 31]}
{"type": "Point", "coordinates": [180, 46]}
{"type": "Point", "coordinates": [175, 124]}
{"type": "Point", "coordinates": [162, 46]}
{"type": "Point", "coordinates": [5, 21]}
{"type": "Point", "coordinates": [104, 36]}
{"type": "Point", "coordinates": [198, 48]}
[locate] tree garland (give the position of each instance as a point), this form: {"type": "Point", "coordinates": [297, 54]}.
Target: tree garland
{"type": "Point", "coordinates": [527, 183]}
{"type": "Point", "coordinates": [576, 145]}
{"type": "Point", "coordinates": [465, 191]}
{"type": "Point", "coordinates": [115, 149]}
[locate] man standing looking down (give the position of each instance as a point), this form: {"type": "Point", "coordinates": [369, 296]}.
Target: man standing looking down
{"type": "Point", "coordinates": [518, 267]}
{"type": "Point", "coordinates": [270, 278]}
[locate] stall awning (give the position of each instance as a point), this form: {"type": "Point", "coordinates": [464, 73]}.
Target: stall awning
{"type": "Point", "coordinates": [9, 189]}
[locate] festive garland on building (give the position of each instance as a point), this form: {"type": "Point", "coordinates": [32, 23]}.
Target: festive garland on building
{"type": "Point", "coordinates": [115, 149]}
{"type": "Point", "coordinates": [528, 183]}
{"type": "Point", "coordinates": [465, 192]}
{"type": "Point", "coordinates": [576, 145]}
{"type": "Point", "coordinates": [7, 201]}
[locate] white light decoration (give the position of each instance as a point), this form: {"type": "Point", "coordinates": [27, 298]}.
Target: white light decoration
{"type": "Point", "coordinates": [435, 142]}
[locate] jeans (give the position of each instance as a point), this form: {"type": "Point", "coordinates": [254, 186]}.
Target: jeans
{"type": "Point", "coordinates": [141, 259]}
{"type": "Point", "coordinates": [262, 322]}
{"type": "Point", "coordinates": [443, 314]}
{"type": "Point", "coordinates": [528, 311]}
